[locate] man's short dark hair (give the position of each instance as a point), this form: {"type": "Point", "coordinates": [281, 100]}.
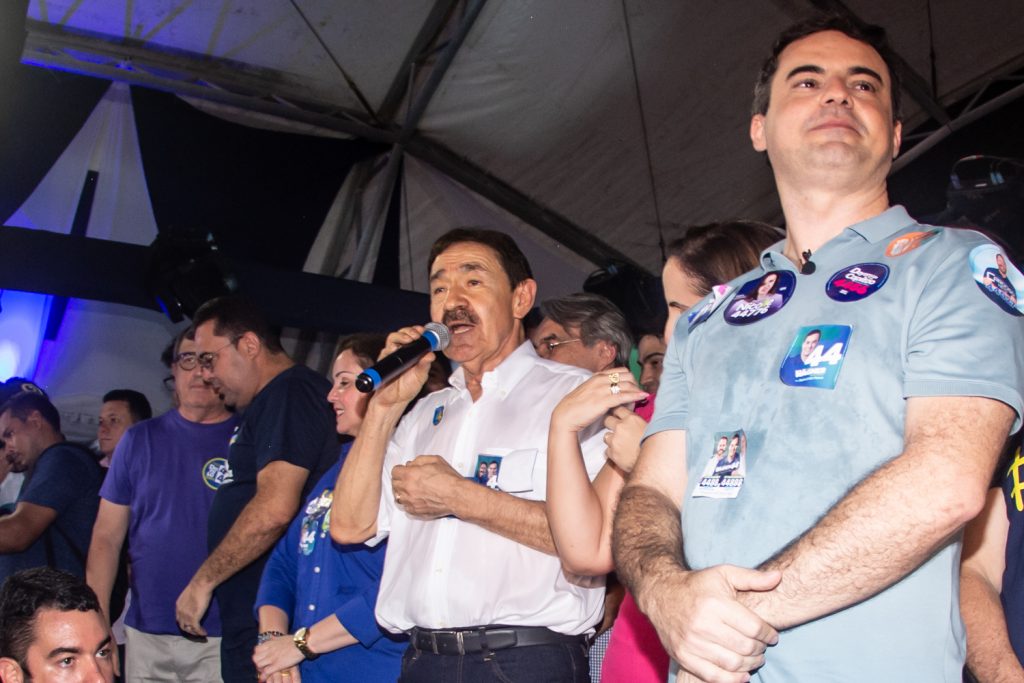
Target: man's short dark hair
{"type": "Point", "coordinates": [26, 592]}
{"type": "Point", "coordinates": [869, 34]}
{"type": "Point", "coordinates": [597, 318]}
{"type": "Point", "coordinates": [509, 255]}
{"type": "Point", "coordinates": [27, 402]}
{"type": "Point", "coordinates": [138, 404]}
{"type": "Point", "coordinates": [233, 316]}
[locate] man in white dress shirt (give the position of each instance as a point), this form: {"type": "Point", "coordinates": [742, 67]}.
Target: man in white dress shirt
{"type": "Point", "coordinates": [471, 573]}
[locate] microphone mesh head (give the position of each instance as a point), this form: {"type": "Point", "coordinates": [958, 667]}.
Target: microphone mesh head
{"type": "Point", "coordinates": [443, 334]}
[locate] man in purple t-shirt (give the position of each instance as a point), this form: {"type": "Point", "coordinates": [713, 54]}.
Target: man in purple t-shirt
{"type": "Point", "coordinates": [161, 483]}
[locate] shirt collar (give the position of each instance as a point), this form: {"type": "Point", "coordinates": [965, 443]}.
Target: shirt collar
{"type": "Point", "coordinates": [876, 229]}
{"type": "Point", "coordinates": [508, 373]}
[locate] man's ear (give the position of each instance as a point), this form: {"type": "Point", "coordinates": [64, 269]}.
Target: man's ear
{"type": "Point", "coordinates": [10, 671]}
{"type": "Point", "coordinates": [523, 296]}
{"type": "Point", "coordinates": [757, 132]}
{"type": "Point", "coordinates": [607, 352]}
{"type": "Point", "coordinates": [249, 345]}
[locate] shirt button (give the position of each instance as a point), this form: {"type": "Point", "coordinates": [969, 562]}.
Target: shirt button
{"type": "Point", "coordinates": [316, 570]}
{"type": "Point", "coordinates": [312, 608]}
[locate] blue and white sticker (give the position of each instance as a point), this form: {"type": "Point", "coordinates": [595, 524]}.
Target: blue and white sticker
{"type": "Point", "coordinates": [760, 298]}
{"type": "Point", "coordinates": [816, 356]}
{"type": "Point", "coordinates": [217, 472]}
{"type": "Point", "coordinates": [998, 277]}
{"type": "Point", "coordinates": [726, 469]}
{"type": "Point", "coordinates": [488, 467]}
{"type": "Point", "coordinates": [857, 282]}
{"type": "Point", "coordinates": [718, 294]}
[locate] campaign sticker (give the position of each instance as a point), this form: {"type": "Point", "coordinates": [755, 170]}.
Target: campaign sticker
{"type": "Point", "coordinates": [487, 469]}
{"type": "Point", "coordinates": [857, 282]}
{"type": "Point", "coordinates": [726, 468]}
{"type": "Point", "coordinates": [907, 243]}
{"type": "Point", "coordinates": [317, 521]}
{"type": "Point", "coordinates": [760, 298]}
{"type": "Point", "coordinates": [816, 356]}
{"type": "Point", "coordinates": [718, 294]}
{"type": "Point", "coordinates": [438, 415]}
{"type": "Point", "coordinates": [998, 277]}
{"type": "Point", "coordinates": [216, 473]}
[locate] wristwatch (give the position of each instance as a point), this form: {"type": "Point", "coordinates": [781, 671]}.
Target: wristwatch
{"type": "Point", "coordinates": [300, 642]}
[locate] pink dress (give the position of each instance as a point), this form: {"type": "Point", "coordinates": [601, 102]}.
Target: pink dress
{"type": "Point", "coordinates": [634, 654]}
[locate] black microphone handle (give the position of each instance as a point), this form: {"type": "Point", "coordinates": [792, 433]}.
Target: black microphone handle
{"type": "Point", "coordinates": [395, 363]}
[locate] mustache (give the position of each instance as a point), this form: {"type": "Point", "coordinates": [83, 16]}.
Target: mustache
{"type": "Point", "coordinates": [459, 315]}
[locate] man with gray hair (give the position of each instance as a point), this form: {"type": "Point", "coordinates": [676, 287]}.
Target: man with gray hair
{"type": "Point", "coordinates": [585, 330]}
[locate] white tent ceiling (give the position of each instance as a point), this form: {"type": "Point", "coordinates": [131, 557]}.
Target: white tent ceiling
{"type": "Point", "coordinates": [585, 124]}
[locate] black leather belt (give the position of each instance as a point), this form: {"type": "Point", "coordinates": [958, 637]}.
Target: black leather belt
{"type": "Point", "coordinates": [468, 640]}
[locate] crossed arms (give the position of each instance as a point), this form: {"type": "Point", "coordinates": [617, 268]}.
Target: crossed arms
{"type": "Point", "coordinates": [717, 622]}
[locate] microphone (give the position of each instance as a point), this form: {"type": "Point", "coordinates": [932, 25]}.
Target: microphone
{"type": "Point", "coordinates": [435, 338]}
{"type": "Point", "coordinates": [808, 267]}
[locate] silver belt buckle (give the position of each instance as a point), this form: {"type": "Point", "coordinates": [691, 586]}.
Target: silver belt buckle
{"type": "Point", "coordinates": [460, 641]}
{"type": "Point", "coordinates": [433, 641]}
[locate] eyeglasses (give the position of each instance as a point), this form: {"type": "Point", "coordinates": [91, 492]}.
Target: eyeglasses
{"type": "Point", "coordinates": [186, 360]}
{"type": "Point", "coordinates": [552, 345]}
{"type": "Point", "coordinates": [207, 359]}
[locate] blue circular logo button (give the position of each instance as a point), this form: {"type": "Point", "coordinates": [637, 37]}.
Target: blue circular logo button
{"type": "Point", "coordinates": [857, 282]}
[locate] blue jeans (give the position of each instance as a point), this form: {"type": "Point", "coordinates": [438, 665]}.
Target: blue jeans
{"type": "Point", "coordinates": [558, 663]}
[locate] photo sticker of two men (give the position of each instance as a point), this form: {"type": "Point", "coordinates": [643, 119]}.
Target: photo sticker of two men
{"type": "Point", "coordinates": [816, 356]}
{"type": "Point", "coordinates": [487, 468]}
{"type": "Point", "coordinates": [724, 472]}
{"type": "Point", "coordinates": [998, 277]}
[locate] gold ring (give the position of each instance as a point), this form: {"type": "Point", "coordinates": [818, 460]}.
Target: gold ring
{"type": "Point", "coordinates": [614, 378]}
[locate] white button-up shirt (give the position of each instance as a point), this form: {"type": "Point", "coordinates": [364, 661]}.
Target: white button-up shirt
{"type": "Point", "coordinates": [446, 573]}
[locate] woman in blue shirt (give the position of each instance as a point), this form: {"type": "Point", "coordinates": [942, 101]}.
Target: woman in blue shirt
{"type": "Point", "coordinates": [316, 600]}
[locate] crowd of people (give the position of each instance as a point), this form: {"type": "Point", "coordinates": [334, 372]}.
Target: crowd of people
{"type": "Point", "coordinates": [777, 491]}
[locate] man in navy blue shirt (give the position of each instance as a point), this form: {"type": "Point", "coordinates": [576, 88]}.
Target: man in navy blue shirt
{"type": "Point", "coordinates": [52, 520]}
{"type": "Point", "coordinates": [284, 443]}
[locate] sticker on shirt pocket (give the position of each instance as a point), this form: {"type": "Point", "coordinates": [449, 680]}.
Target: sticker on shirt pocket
{"type": "Point", "coordinates": [816, 356]}
{"type": "Point", "coordinates": [487, 468]}
{"type": "Point", "coordinates": [726, 469]}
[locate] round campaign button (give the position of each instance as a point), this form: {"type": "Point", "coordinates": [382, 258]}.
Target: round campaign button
{"type": "Point", "coordinates": [857, 282]}
{"type": "Point", "coordinates": [216, 472]}
{"type": "Point", "coordinates": [760, 298]}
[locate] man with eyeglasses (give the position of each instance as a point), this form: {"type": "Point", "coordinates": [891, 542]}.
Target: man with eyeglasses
{"type": "Point", "coordinates": [585, 330]}
{"type": "Point", "coordinates": [158, 493]}
{"type": "Point", "coordinates": [284, 443]}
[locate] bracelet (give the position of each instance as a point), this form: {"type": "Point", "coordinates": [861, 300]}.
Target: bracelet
{"type": "Point", "coordinates": [264, 636]}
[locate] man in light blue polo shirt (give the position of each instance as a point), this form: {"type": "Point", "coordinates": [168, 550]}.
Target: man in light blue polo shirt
{"type": "Point", "coordinates": [835, 556]}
